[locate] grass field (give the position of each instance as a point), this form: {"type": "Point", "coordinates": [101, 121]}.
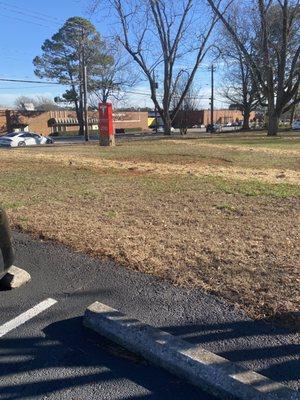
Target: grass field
{"type": "Point", "coordinates": [221, 214]}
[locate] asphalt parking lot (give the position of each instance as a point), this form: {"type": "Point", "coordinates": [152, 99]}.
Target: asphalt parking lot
{"type": "Point", "coordinates": [46, 353]}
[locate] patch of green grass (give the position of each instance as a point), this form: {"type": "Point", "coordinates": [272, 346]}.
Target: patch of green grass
{"type": "Point", "coordinates": [184, 184]}
{"type": "Point", "coordinates": [111, 214]}
{"type": "Point", "coordinates": [87, 194]}
{"type": "Point", "coordinates": [12, 205]}
{"type": "Point", "coordinates": [162, 184]}
{"type": "Point", "coordinates": [256, 188]}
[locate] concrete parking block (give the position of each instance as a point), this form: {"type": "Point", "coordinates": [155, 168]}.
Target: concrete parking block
{"type": "Point", "coordinates": [14, 278]}
{"type": "Point", "coordinates": [200, 367]}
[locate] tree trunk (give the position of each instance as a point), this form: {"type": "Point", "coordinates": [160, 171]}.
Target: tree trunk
{"type": "Point", "coordinates": [79, 113]}
{"type": "Point", "coordinates": [81, 126]}
{"type": "Point", "coordinates": [246, 115]}
{"type": "Point", "coordinates": [293, 110]}
{"type": "Point", "coordinates": [78, 108]}
{"type": "Point", "coordinates": [273, 115]}
{"type": "Point", "coordinates": [80, 122]}
{"type": "Point", "coordinates": [167, 123]}
{"type": "Point", "coordinates": [273, 124]}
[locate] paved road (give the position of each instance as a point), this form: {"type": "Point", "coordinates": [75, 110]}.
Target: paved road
{"type": "Point", "coordinates": [140, 135]}
{"type": "Point", "coordinates": [52, 356]}
{"type": "Point", "coordinates": [64, 140]}
{"type": "Point", "coordinates": [201, 132]}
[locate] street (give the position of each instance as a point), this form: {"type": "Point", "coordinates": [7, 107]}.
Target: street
{"type": "Point", "coordinates": [201, 132]}
{"type": "Point", "coordinates": [52, 356]}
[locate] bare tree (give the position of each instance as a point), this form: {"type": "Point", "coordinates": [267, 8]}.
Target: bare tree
{"type": "Point", "coordinates": [184, 116]}
{"type": "Point", "coordinates": [159, 35]}
{"type": "Point", "coordinates": [238, 85]}
{"type": "Point", "coordinates": [276, 71]}
{"type": "Point", "coordinates": [113, 76]}
{"type": "Point", "coordinates": [40, 103]}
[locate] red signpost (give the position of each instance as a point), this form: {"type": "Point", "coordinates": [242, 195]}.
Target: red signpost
{"type": "Point", "coordinates": [106, 129]}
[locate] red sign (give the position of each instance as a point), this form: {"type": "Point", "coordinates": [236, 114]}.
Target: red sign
{"type": "Point", "coordinates": [105, 119]}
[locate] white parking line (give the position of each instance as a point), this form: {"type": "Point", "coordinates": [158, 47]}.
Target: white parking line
{"type": "Point", "coordinates": [26, 316]}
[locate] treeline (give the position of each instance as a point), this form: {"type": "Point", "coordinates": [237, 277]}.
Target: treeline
{"type": "Point", "coordinates": [256, 43]}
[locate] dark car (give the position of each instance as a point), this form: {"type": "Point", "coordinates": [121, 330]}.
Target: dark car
{"type": "Point", "coordinates": [6, 247]}
{"type": "Point", "coordinates": [213, 128]}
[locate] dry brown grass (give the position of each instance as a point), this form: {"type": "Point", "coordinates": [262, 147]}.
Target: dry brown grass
{"type": "Point", "coordinates": [210, 226]}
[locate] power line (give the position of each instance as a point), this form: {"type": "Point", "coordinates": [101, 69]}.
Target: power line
{"type": "Point", "coordinates": [28, 15]}
{"type": "Point", "coordinates": [22, 87]}
{"type": "Point", "coordinates": [32, 81]}
{"type": "Point", "coordinates": [28, 12]}
{"type": "Point", "coordinates": [47, 83]}
{"type": "Point", "coordinates": [23, 20]}
{"type": "Point", "coordinates": [160, 95]}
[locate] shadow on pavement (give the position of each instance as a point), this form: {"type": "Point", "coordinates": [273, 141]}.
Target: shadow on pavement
{"type": "Point", "coordinates": [70, 356]}
{"type": "Point", "coordinates": [254, 344]}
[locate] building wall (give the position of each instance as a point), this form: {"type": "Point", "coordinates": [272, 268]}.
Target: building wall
{"type": "Point", "coordinates": [38, 121]}
{"type": "Point", "coordinates": [202, 117]}
{"type": "Point", "coordinates": [190, 118]}
{"type": "Point", "coordinates": [130, 119]}
{"type": "Point", "coordinates": [223, 116]}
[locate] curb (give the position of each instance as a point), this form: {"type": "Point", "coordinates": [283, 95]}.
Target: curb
{"type": "Point", "coordinates": [14, 278]}
{"type": "Point", "coordinates": [202, 368]}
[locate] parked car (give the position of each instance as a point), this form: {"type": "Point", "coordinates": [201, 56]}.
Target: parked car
{"type": "Point", "coordinates": [6, 248]}
{"type": "Point", "coordinates": [19, 139]}
{"type": "Point", "coordinates": [160, 129]}
{"type": "Point", "coordinates": [296, 124]}
{"type": "Point", "coordinates": [213, 128]}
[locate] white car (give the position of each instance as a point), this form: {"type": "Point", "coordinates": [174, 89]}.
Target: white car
{"type": "Point", "coordinates": [160, 129]}
{"type": "Point", "coordinates": [296, 124]}
{"type": "Point", "coordinates": [19, 139]}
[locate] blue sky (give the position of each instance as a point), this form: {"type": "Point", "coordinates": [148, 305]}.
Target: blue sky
{"type": "Point", "coordinates": [25, 24]}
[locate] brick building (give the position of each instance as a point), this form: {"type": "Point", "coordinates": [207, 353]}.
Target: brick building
{"type": "Point", "coordinates": [47, 122]}
{"type": "Point", "coordinates": [223, 116]}
{"type": "Point", "coordinates": [202, 117]}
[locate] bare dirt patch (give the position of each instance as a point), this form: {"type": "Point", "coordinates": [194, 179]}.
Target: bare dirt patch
{"type": "Point", "coordinates": [244, 148]}
{"type": "Point", "coordinates": [268, 175]}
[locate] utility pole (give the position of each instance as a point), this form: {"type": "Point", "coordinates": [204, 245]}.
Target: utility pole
{"type": "Point", "coordinates": [85, 104]}
{"type": "Point", "coordinates": [212, 96]}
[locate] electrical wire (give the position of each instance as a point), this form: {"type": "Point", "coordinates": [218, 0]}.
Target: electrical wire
{"type": "Point", "coordinates": [20, 88]}
{"type": "Point", "coordinates": [47, 83]}
{"type": "Point", "coordinates": [30, 13]}
{"type": "Point", "coordinates": [26, 21]}
{"type": "Point", "coordinates": [33, 81]}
